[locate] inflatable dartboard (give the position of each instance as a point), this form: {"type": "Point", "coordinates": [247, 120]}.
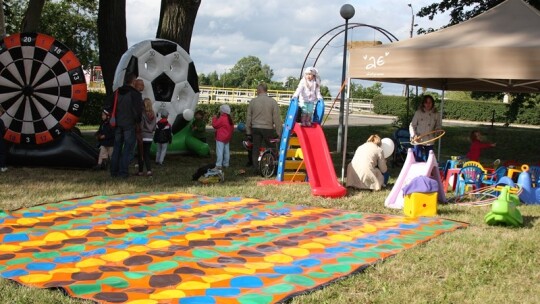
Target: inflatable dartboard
{"type": "Point", "coordinates": [42, 88]}
{"type": "Point", "coordinates": [169, 75]}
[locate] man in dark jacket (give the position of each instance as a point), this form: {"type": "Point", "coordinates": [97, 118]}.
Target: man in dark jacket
{"type": "Point", "coordinates": [128, 116]}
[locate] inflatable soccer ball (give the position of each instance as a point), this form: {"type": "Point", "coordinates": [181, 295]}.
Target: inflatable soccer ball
{"type": "Point", "coordinates": [169, 75]}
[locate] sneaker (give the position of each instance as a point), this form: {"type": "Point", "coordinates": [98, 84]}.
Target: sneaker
{"type": "Point", "coordinates": [3, 169]}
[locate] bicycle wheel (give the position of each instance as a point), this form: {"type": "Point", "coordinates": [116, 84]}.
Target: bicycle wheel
{"type": "Point", "coordinates": [267, 164]}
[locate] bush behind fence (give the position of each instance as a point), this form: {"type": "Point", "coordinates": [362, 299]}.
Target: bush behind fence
{"type": "Point", "coordinates": [384, 105]}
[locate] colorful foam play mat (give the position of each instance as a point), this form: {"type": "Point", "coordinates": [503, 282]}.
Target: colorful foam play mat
{"type": "Point", "coordinates": [181, 248]}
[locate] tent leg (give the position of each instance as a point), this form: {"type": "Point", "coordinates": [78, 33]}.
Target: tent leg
{"type": "Point", "coordinates": [440, 140]}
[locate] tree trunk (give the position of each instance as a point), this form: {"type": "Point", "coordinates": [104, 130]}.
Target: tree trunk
{"type": "Point", "coordinates": [176, 21]}
{"type": "Point", "coordinates": [32, 16]}
{"type": "Point", "coordinates": [111, 38]}
{"type": "Point", "coordinates": [2, 21]}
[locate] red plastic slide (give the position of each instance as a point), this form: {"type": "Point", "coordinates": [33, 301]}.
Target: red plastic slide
{"type": "Point", "coordinates": [319, 165]}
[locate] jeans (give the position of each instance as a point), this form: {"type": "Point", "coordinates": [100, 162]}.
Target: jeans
{"type": "Point", "coordinates": [161, 150]}
{"type": "Point", "coordinates": [386, 176]}
{"type": "Point", "coordinates": [124, 143]}
{"type": "Point", "coordinates": [222, 154]}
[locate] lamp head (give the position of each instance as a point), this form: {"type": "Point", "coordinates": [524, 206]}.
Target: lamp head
{"type": "Point", "coordinates": [347, 11]}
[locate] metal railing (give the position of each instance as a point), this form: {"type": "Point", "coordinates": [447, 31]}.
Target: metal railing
{"type": "Point", "coordinates": [209, 94]}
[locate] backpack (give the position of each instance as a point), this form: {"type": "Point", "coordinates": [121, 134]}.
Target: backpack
{"type": "Point", "coordinates": [201, 171]}
{"type": "Point", "coordinates": [163, 133]}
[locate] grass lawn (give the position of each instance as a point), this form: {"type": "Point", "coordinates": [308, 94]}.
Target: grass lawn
{"type": "Point", "coordinates": [480, 264]}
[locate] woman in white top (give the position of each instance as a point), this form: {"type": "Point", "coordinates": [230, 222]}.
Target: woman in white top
{"type": "Point", "coordinates": [368, 169]}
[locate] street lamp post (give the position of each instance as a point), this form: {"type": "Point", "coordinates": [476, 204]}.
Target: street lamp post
{"type": "Point", "coordinates": [346, 12]}
{"type": "Point", "coordinates": [412, 19]}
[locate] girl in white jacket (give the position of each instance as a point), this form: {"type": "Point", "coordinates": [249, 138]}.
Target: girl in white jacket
{"type": "Point", "coordinates": [308, 92]}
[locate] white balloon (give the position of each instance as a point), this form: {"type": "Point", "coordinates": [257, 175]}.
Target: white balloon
{"type": "Point", "coordinates": [387, 145]}
{"type": "Point", "coordinates": [188, 114]}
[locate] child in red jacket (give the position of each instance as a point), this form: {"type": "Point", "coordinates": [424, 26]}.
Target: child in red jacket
{"type": "Point", "coordinates": [224, 131]}
{"type": "Point", "coordinates": [477, 146]}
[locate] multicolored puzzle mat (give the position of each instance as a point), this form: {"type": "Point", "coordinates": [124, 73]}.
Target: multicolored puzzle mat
{"type": "Point", "coordinates": [181, 248]}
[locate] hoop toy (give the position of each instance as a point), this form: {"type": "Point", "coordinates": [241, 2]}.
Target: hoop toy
{"type": "Point", "coordinates": [440, 133]}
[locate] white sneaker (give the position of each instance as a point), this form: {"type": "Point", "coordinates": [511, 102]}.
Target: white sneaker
{"type": "Point", "coordinates": [3, 169]}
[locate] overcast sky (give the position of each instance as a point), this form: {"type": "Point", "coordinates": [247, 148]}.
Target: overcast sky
{"type": "Point", "coordinates": [280, 33]}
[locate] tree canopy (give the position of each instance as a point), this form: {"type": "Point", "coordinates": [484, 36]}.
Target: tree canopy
{"type": "Point", "coordinates": [460, 10]}
{"type": "Point", "coordinates": [59, 19]}
{"type": "Point", "coordinates": [247, 73]}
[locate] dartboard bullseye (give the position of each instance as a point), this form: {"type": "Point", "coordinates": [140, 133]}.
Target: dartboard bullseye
{"type": "Point", "coordinates": [42, 88]}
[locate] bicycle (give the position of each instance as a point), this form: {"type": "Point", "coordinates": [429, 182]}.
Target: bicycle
{"type": "Point", "coordinates": [268, 157]}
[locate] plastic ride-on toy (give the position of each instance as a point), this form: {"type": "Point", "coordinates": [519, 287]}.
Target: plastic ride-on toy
{"type": "Point", "coordinates": [504, 210]}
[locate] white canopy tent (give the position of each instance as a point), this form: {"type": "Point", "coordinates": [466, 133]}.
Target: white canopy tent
{"type": "Point", "coordinates": [498, 51]}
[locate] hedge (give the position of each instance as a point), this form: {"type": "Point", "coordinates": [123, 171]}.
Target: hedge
{"type": "Point", "coordinates": [461, 110]}
{"type": "Point", "coordinates": [94, 105]}
{"type": "Point", "coordinates": [384, 105]}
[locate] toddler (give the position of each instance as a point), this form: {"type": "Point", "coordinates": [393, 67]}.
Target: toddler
{"type": "Point", "coordinates": [308, 92]}
{"type": "Point", "coordinates": [162, 136]}
{"type": "Point", "coordinates": [224, 131]}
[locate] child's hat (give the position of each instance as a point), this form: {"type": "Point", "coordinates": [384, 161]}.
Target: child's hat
{"type": "Point", "coordinates": [224, 108]}
{"type": "Point", "coordinates": [106, 112]}
{"type": "Point", "coordinates": [311, 70]}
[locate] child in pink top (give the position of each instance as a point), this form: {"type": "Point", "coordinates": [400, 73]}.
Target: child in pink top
{"type": "Point", "coordinates": [224, 131]}
{"type": "Point", "coordinates": [477, 146]}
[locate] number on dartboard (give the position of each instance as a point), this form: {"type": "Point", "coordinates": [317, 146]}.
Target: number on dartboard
{"type": "Point", "coordinates": [76, 76]}
{"type": "Point", "coordinates": [57, 50]}
{"type": "Point", "coordinates": [75, 107]}
{"type": "Point", "coordinates": [57, 132]}
{"type": "Point", "coordinates": [27, 39]}
{"type": "Point", "coordinates": [27, 139]}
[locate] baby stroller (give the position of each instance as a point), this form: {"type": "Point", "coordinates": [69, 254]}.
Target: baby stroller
{"type": "Point", "coordinates": [402, 142]}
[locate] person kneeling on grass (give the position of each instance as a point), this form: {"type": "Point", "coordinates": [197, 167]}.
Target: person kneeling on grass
{"type": "Point", "coordinates": [368, 169]}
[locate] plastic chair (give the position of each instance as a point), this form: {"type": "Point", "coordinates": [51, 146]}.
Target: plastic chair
{"type": "Point", "coordinates": [476, 164]}
{"type": "Point", "coordinates": [469, 175]}
{"type": "Point", "coordinates": [491, 179]}
{"type": "Point", "coordinates": [535, 175]}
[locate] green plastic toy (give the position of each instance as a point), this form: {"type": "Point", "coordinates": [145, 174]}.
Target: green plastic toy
{"type": "Point", "coordinates": [504, 210]}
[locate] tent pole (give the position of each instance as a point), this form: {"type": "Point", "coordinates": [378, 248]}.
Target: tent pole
{"type": "Point", "coordinates": [442, 110]}
{"type": "Point", "coordinates": [344, 151]}
{"type": "Point", "coordinates": [408, 102]}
